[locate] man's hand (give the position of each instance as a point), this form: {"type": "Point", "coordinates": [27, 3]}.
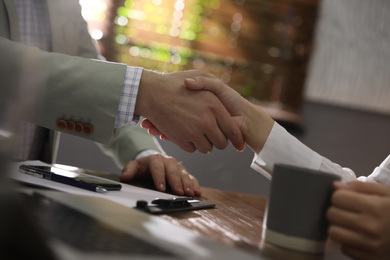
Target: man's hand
{"type": "Point", "coordinates": [254, 124]}
{"type": "Point", "coordinates": [162, 169]}
{"type": "Point", "coordinates": [191, 119]}
{"type": "Point", "coordinates": [360, 219]}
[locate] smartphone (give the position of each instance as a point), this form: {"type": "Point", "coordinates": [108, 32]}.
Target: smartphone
{"type": "Point", "coordinates": [77, 179]}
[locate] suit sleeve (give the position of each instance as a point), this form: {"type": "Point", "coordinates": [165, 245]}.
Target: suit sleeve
{"type": "Point", "coordinates": [64, 87]}
{"type": "Point", "coordinates": [128, 141]}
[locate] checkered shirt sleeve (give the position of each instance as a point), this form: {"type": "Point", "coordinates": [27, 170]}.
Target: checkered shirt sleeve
{"type": "Point", "coordinates": [125, 115]}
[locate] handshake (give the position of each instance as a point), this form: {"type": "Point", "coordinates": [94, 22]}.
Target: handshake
{"type": "Point", "coordinates": [197, 111]}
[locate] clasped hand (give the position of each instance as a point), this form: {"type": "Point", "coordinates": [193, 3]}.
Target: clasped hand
{"type": "Point", "coordinates": [359, 215]}
{"type": "Point", "coordinates": [193, 120]}
{"type": "Point", "coordinates": [222, 113]}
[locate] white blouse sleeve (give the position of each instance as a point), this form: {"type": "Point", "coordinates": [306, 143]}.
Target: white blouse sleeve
{"type": "Point", "coordinates": [282, 147]}
{"type": "Point", "coordinates": [380, 174]}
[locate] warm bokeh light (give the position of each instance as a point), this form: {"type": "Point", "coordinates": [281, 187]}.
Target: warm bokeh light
{"type": "Point", "coordinates": [259, 47]}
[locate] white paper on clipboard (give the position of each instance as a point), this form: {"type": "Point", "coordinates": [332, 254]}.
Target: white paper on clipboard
{"type": "Point", "coordinates": [127, 196]}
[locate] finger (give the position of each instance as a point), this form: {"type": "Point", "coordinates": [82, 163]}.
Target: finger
{"type": "Point", "coordinates": [173, 173]}
{"type": "Point", "coordinates": [347, 237]}
{"type": "Point", "coordinates": [351, 238]}
{"type": "Point", "coordinates": [163, 137]}
{"type": "Point", "coordinates": [154, 131]}
{"type": "Point", "coordinates": [231, 131]}
{"type": "Point", "coordinates": [187, 183]}
{"type": "Point", "coordinates": [188, 147]}
{"type": "Point", "coordinates": [351, 200]}
{"type": "Point", "coordinates": [338, 185]}
{"type": "Point", "coordinates": [217, 138]}
{"type": "Point", "coordinates": [203, 144]}
{"type": "Point", "coordinates": [218, 129]}
{"type": "Point", "coordinates": [369, 188]}
{"type": "Point", "coordinates": [357, 246]}
{"type": "Point", "coordinates": [362, 223]}
{"type": "Point", "coordinates": [130, 171]}
{"type": "Point", "coordinates": [344, 218]}
{"type": "Point", "coordinates": [157, 170]}
{"type": "Point", "coordinates": [224, 120]}
{"type": "Point", "coordinates": [146, 123]}
{"type": "Point", "coordinates": [195, 184]}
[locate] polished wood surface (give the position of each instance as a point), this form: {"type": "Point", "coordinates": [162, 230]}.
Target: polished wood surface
{"type": "Point", "coordinates": [237, 221]}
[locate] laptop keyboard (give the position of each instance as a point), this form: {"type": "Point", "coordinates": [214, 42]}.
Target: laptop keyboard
{"type": "Point", "coordinates": [86, 233]}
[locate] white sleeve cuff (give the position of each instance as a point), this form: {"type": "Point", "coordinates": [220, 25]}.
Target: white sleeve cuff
{"type": "Point", "coordinates": [379, 175]}
{"type": "Point", "coordinates": [146, 153]}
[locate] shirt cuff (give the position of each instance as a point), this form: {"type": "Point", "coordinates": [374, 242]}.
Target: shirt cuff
{"type": "Point", "coordinates": [381, 174]}
{"type": "Point", "coordinates": [125, 115]}
{"type": "Point", "coordinates": [146, 153]}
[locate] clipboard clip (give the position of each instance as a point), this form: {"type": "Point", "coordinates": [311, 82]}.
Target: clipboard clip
{"type": "Point", "coordinates": [159, 205]}
{"type": "Point", "coordinates": [172, 202]}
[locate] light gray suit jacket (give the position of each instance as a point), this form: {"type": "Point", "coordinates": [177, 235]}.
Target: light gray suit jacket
{"type": "Point", "coordinates": [74, 86]}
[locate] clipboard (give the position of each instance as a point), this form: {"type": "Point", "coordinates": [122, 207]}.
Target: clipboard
{"type": "Point", "coordinates": [176, 204]}
{"type": "Point", "coordinates": [147, 200]}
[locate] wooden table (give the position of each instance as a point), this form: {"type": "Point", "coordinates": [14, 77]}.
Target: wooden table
{"type": "Point", "coordinates": [237, 221]}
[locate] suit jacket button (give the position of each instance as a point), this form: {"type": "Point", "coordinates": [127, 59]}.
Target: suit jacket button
{"type": "Point", "coordinates": [79, 128]}
{"type": "Point", "coordinates": [70, 125]}
{"type": "Point", "coordinates": [61, 124]}
{"type": "Point", "coordinates": [88, 129]}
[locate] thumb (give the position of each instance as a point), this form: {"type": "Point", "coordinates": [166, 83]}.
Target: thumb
{"type": "Point", "coordinates": [192, 83]}
{"type": "Point", "coordinates": [211, 84]}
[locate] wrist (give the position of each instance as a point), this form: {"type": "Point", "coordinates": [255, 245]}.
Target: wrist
{"type": "Point", "coordinates": [258, 127]}
{"type": "Point", "coordinates": [149, 80]}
